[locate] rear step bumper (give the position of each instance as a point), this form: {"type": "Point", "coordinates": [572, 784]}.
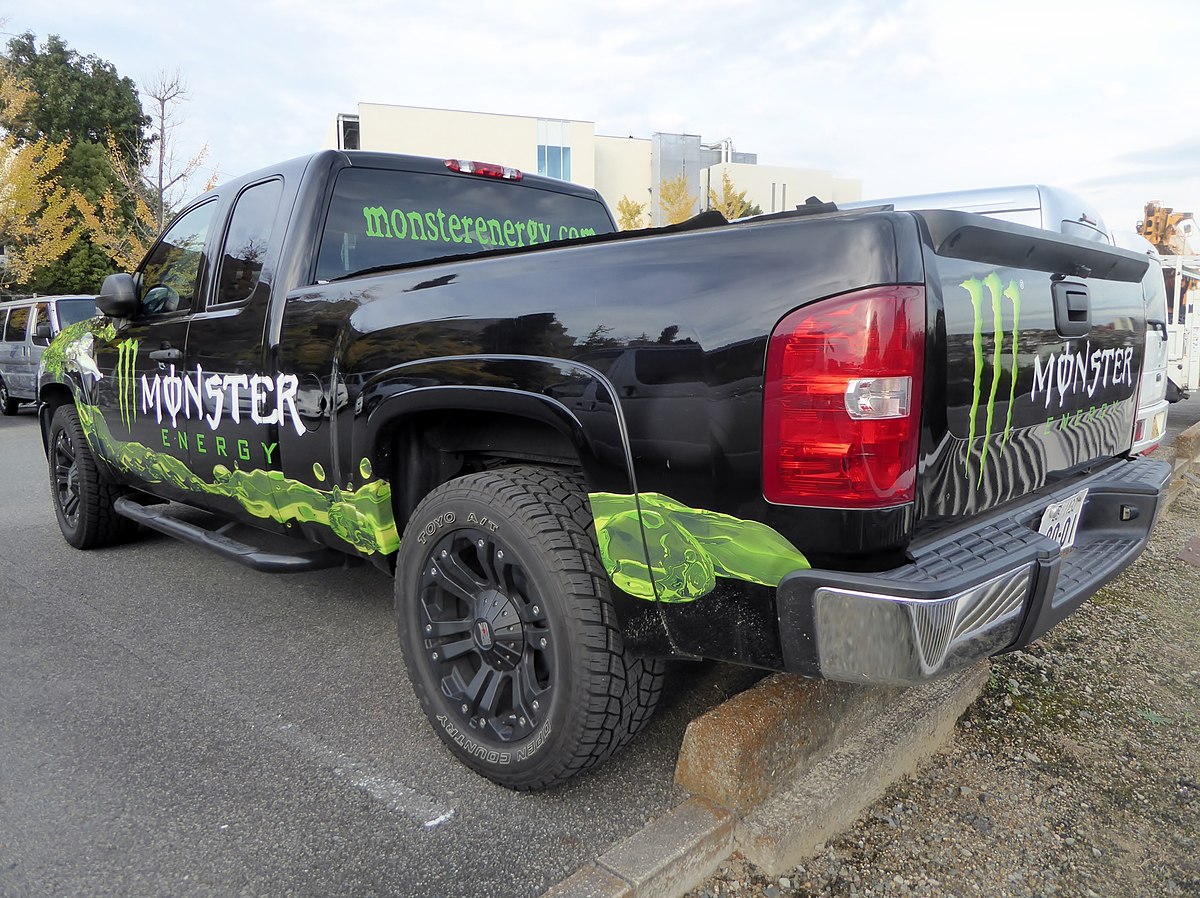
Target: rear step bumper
{"type": "Point", "coordinates": [988, 587]}
{"type": "Point", "coordinates": [307, 557]}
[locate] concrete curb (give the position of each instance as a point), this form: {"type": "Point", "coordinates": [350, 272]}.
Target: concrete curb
{"type": "Point", "coordinates": [796, 821]}
{"type": "Point", "coordinates": [1184, 455]}
{"type": "Point", "coordinates": [813, 755]}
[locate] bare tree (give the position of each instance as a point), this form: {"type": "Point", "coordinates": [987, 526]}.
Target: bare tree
{"type": "Point", "coordinates": [141, 201]}
{"type": "Point", "coordinates": [168, 179]}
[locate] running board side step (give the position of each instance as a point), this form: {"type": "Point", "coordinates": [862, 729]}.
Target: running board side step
{"type": "Point", "coordinates": [156, 518]}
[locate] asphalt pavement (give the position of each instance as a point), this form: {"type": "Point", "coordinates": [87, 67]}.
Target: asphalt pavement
{"type": "Point", "coordinates": [1182, 415]}
{"type": "Point", "coordinates": [176, 724]}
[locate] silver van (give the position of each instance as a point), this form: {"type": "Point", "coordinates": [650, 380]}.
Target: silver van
{"type": "Point", "coordinates": [1034, 205]}
{"type": "Point", "coordinates": [26, 328]}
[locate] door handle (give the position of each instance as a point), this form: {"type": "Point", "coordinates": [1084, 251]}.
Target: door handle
{"type": "Point", "coordinates": [166, 354]}
{"type": "Point", "coordinates": [1155, 325]}
{"type": "Point", "coordinates": [1072, 308]}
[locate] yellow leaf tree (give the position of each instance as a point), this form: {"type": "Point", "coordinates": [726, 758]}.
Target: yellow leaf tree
{"type": "Point", "coordinates": [629, 214]}
{"type": "Point", "coordinates": [37, 226]}
{"type": "Point", "coordinates": [677, 204]}
{"type": "Point", "coordinates": [732, 203]}
{"type": "Point", "coordinates": [121, 222]}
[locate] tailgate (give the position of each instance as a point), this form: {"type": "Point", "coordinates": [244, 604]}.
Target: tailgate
{"type": "Point", "coordinates": [1033, 362]}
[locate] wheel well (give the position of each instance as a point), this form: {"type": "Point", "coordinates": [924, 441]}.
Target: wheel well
{"type": "Point", "coordinates": [51, 398]}
{"type": "Point", "coordinates": [426, 449]}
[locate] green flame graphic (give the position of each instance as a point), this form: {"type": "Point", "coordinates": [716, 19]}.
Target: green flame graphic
{"type": "Point", "coordinates": [689, 547]}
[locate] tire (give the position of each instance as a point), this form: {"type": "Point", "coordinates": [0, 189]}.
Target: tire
{"type": "Point", "coordinates": [83, 500]}
{"type": "Point", "coordinates": [8, 405]}
{"type": "Point", "coordinates": [509, 633]}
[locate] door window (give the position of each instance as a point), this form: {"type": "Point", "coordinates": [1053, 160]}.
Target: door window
{"type": "Point", "coordinates": [248, 242]}
{"type": "Point", "coordinates": [171, 274]}
{"type": "Point", "coordinates": [14, 331]}
{"type": "Point", "coordinates": [41, 316]}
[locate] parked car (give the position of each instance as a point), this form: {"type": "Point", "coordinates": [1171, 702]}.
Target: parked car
{"type": "Point", "coordinates": [26, 328]}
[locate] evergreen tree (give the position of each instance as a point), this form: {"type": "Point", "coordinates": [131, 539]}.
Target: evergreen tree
{"type": "Point", "coordinates": [80, 100]}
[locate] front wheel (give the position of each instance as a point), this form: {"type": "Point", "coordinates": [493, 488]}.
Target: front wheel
{"type": "Point", "coordinates": [508, 629]}
{"type": "Point", "coordinates": [8, 405]}
{"type": "Point", "coordinates": [83, 500]}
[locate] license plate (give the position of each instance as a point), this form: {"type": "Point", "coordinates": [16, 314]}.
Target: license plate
{"type": "Point", "coordinates": [1060, 521]}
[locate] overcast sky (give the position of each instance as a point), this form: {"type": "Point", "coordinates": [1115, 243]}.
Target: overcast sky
{"type": "Point", "coordinates": [1101, 96]}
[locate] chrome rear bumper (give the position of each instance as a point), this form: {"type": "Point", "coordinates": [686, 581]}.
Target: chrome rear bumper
{"type": "Point", "coordinates": [993, 585]}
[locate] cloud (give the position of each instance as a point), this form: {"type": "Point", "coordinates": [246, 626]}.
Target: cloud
{"type": "Point", "coordinates": [1184, 154]}
{"type": "Point", "coordinates": [909, 97]}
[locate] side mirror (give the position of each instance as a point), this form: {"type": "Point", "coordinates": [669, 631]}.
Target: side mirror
{"type": "Point", "coordinates": [117, 298]}
{"type": "Point", "coordinates": [41, 336]}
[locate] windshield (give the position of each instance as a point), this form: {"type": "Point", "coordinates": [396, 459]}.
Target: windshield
{"type": "Point", "coordinates": [73, 310]}
{"type": "Point", "coordinates": [379, 218]}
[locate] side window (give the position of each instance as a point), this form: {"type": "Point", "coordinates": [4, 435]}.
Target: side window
{"type": "Point", "coordinates": [14, 331]}
{"type": "Point", "coordinates": [171, 274]}
{"type": "Point", "coordinates": [248, 241]}
{"type": "Point", "coordinates": [41, 319]}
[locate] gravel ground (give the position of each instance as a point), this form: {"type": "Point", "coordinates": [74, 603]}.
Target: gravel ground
{"type": "Point", "coordinates": [1076, 773]}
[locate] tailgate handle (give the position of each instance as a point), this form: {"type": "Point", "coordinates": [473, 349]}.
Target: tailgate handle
{"type": "Point", "coordinates": [1072, 308]}
{"type": "Point", "coordinates": [1156, 324]}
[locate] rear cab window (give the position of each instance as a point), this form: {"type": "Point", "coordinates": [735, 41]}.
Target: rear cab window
{"type": "Point", "coordinates": [248, 242]}
{"type": "Point", "coordinates": [380, 218]}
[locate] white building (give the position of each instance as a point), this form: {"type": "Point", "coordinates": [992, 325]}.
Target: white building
{"type": "Point", "coordinates": [617, 167]}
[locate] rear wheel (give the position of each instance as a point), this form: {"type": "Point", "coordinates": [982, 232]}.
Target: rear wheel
{"type": "Point", "coordinates": [83, 500]}
{"type": "Point", "coordinates": [8, 405]}
{"type": "Point", "coordinates": [508, 629]}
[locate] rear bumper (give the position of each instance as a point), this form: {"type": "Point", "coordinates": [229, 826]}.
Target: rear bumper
{"type": "Point", "coordinates": [991, 586]}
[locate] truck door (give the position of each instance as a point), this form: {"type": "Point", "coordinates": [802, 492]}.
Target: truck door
{"type": "Point", "coordinates": [236, 445]}
{"type": "Point", "coordinates": [143, 396]}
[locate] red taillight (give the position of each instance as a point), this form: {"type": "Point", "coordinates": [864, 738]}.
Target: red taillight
{"type": "Point", "coordinates": [486, 169]}
{"type": "Point", "coordinates": [842, 401]}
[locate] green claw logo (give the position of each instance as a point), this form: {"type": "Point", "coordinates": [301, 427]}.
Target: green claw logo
{"type": "Point", "coordinates": [127, 353]}
{"type": "Point", "coordinates": [998, 293]}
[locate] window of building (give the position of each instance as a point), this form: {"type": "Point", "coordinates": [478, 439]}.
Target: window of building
{"type": "Point", "coordinates": [554, 148]}
{"type": "Point", "coordinates": [348, 132]}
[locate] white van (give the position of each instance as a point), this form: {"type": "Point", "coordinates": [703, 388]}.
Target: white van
{"type": "Point", "coordinates": [1152, 392]}
{"type": "Point", "coordinates": [26, 328]}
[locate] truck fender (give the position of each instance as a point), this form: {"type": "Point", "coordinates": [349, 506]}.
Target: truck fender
{"type": "Point", "coordinates": [575, 400]}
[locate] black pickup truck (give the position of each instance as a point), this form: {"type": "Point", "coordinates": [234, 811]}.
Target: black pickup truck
{"type": "Point", "coordinates": [871, 446]}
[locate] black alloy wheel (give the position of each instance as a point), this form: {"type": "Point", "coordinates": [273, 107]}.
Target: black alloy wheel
{"type": "Point", "coordinates": [65, 471]}
{"type": "Point", "coordinates": [508, 629]}
{"type": "Point", "coordinates": [486, 634]}
{"type": "Point", "coordinates": [83, 499]}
